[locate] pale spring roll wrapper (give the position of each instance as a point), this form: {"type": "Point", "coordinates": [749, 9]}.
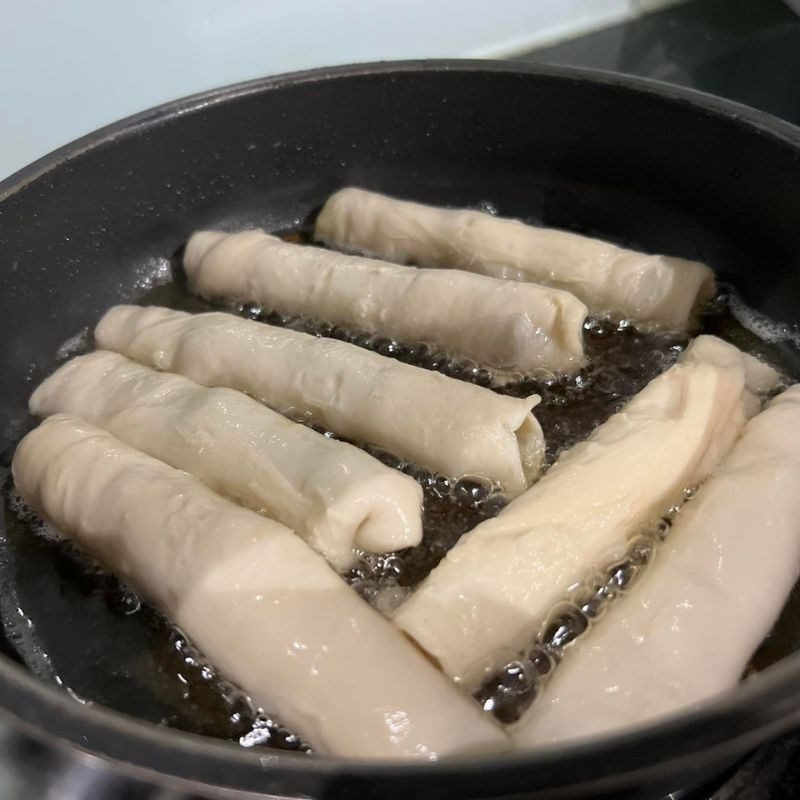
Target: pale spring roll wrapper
{"type": "Point", "coordinates": [660, 290]}
{"type": "Point", "coordinates": [334, 495]}
{"type": "Point", "coordinates": [447, 426]}
{"type": "Point", "coordinates": [690, 624]}
{"type": "Point", "coordinates": [489, 596]}
{"type": "Point", "coordinates": [505, 325]}
{"type": "Point", "coordinates": [256, 600]}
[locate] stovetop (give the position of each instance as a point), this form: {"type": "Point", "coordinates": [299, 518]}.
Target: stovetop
{"type": "Point", "coordinates": [745, 51]}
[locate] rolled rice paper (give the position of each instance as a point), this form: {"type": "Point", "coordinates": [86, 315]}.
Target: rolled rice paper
{"type": "Point", "coordinates": [447, 426]}
{"type": "Point", "coordinates": [334, 495]}
{"type": "Point", "coordinates": [256, 600]}
{"type": "Point", "coordinates": [506, 325]}
{"type": "Point", "coordinates": [689, 626]}
{"type": "Point", "coordinates": [660, 290]}
{"type": "Point", "coordinates": [489, 596]}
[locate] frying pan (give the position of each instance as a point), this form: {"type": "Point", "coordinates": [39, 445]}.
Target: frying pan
{"type": "Point", "coordinates": [648, 165]}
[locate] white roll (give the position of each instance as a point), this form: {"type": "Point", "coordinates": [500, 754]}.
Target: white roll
{"type": "Point", "coordinates": [487, 599]}
{"type": "Point", "coordinates": [506, 325]}
{"type": "Point", "coordinates": [256, 600]}
{"type": "Point", "coordinates": [660, 290]}
{"type": "Point", "coordinates": [334, 495]}
{"type": "Point", "coordinates": [715, 588]}
{"type": "Point", "coordinates": [445, 425]}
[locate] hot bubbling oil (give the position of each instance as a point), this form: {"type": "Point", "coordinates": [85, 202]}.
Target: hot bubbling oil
{"type": "Point", "coordinates": [169, 683]}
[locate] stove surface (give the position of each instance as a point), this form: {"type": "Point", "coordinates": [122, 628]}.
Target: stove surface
{"type": "Point", "coordinates": [748, 52]}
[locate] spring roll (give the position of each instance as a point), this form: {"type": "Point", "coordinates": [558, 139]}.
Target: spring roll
{"type": "Point", "coordinates": [487, 599]}
{"type": "Point", "coordinates": [506, 325]}
{"type": "Point", "coordinates": [689, 626]}
{"type": "Point", "coordinates": [447, 426]}
{"type": "Point", "coordinates": [255, 598]}
{"type": "Point", "coordinates": [661, 291]}
{"type": "Point", "coordinates": [338, 498]}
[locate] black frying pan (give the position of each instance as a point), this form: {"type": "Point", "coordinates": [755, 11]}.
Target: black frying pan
{"type": "Point", "coordinates": [657, 167]}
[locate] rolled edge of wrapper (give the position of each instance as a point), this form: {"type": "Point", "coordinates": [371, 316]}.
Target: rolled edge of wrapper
{"type": "Point", "coordinates": [530, 440]}
{"type": "Point", "coordinates": [760, 379]}
{"type": "Point", "coordinates": [571, 316]}
{"type": "Point", "coordinates": [198, 247]}
{"type": "Point", "coordinates": [693, 284]}
{"type": "Point", "coordinates": [373, 533]}
{"type": "Point", "coordinates": [118, 326]}
{"type": "Point", "coordinates": [210, 254]}
{"type": "Point", "coordinates": [702, 287]}
{"type": "Point", "coordinates": [335, 225]}
{"type": "Point", "coordinates": [323, 221]}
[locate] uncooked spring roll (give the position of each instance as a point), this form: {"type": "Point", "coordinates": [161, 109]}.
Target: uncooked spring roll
{"type": "Point", "coordinates": [257, 601]}
{"type": "Point", "coordinates": [655, 289]}
{"type": "Point", "coordinates": [448, 426]}
{"type": "Point", "coordinates": [333, 494]}
{"type": "Point", "coordinates": [506, 325]}
{"type": "Point", "coordinates": [487, 599]}
{"type": "Point", "coordinates": [715, 588]}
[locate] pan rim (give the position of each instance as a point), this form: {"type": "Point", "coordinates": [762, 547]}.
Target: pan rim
{"type": "Point", "coordinates": [729, 109]}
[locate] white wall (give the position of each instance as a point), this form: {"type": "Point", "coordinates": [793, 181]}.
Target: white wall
{"type": "Point", "coordinates": [69, 67]}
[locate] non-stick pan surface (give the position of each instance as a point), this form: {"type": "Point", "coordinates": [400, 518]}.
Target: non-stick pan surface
{"type": "Point", "coordinates": [641, 163]}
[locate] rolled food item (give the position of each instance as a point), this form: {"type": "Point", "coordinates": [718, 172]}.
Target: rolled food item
{"type": "Point", "coordinates": [506, 325]}
{"type": "Point", "coordinates": [448, 426]}
{"type": "Point", "coordinates": [660, 290]}
{"type": "Point", "coordinates": [716, 586]}
{"type": "Point", "coordinates": [334, 495]}
{"type": "Point", "coordinates": [257, 601]}
{"type": "Point", "coordinates": [488, 597]}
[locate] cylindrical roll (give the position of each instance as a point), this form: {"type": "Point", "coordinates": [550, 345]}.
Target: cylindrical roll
{"type": "Point", "coordinates": [442, 424]}
{"type": "Point", "coordinates": [334, 495]}
{"type": "Point", "coordinates": [655, 289]}
{"type": "Point", "coordinates": [506, 325]}
{"type": "Point", "coordinates": [489, 596]}
{"type": "Point", "coordinates": [256, 599]}
{"type": "Point", "coordinates": [711, 595]}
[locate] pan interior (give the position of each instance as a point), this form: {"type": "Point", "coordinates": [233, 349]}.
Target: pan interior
{"type": "Point", "coordinates": [73, 624]}
{"type": "Point", "coordinates": [647, 166]}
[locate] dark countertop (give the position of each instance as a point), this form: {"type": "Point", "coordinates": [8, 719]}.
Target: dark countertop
{"type": "Point", "coordinates": [745, 51]}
